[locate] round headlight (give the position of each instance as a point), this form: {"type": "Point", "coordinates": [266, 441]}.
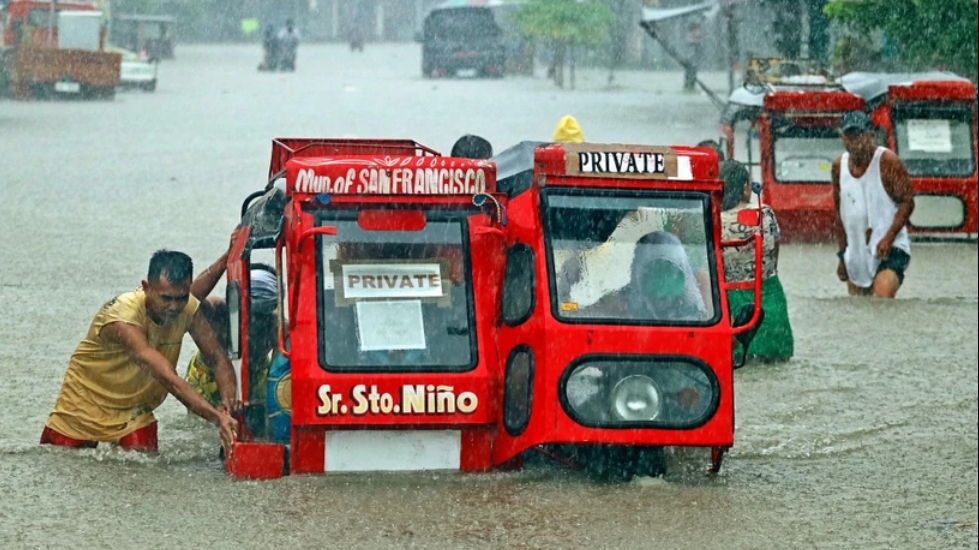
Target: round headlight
{"type": "Point", "coordinates": [636, 399]}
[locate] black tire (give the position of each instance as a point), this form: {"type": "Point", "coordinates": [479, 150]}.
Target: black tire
{"type": "Point", "coordinates": [620, 463]}
{"type": "Point", "coordinates": [148, 86]}
{"type": "Point", "coordinates": [106, 93]}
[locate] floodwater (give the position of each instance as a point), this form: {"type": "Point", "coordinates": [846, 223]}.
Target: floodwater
{"type": "Point", "coordinates": [866, 440]}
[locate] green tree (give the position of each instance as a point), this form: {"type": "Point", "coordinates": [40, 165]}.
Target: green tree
{"type": "Point", "coordinates": [927, 34]}
{"type": "Point", "coordinates": [565, 24]}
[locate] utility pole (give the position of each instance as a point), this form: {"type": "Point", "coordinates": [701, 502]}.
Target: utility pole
{"type": "Point", "coordinates": [733, 49]}
{"type": "Point", "coordinates": [804, 29]}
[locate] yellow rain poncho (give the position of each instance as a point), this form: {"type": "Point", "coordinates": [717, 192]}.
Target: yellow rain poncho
{"type": "Point", "coordinates": [568, 131]}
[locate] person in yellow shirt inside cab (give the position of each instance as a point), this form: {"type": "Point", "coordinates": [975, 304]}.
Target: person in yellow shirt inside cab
{"type": "Point", "coordinates": [125, 366]}
{"type": "Point", "coordinates": [262, 331]}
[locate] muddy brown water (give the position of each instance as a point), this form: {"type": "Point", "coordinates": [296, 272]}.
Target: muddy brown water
{"type": "Point", "coordinates": [866, 440]}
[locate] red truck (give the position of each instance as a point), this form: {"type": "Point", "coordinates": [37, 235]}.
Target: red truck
{"type": "Point", "coordinates": [56, 49]}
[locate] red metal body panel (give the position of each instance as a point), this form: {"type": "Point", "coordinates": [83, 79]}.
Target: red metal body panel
{"type": "Point", "coordinates": [938, 93]}
{"type": "Point", "coordinates": [556, 344]}
{"type": "Point", "coordinates": [284, 149]}
{"type": "Point", "coordinates": [816, 101]}
{"type": "Point", "coordinates": [805, 210]}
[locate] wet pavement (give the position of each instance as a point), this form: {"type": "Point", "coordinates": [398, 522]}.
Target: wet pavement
{"type": "Point", "coordinates": [866, 440]}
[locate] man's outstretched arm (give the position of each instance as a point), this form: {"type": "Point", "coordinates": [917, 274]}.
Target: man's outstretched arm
{"type": "Point", "coordinates": [134, 341]}
{"type": "Point", "coordinates": [897, 182]}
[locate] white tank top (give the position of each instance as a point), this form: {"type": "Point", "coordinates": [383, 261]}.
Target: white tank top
{"type": "Point", "coordinates": [865, 205]}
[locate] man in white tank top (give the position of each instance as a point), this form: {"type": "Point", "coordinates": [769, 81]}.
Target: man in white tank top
{"type": "Point", "coordinates": [874, 200]}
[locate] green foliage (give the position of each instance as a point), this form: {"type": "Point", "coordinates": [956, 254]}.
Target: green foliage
{"type": "Point", "coordinates": [927, 33]}
{"type": "Point", "coordinates": [565, 21]}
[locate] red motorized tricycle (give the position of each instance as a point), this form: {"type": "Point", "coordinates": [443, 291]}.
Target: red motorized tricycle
{"type": "Point", "coordinates": [784, 124]}
{"type": "Point", "coordinates": [930, 121]}
{"type": "Point", "coordinates": [451, 314]}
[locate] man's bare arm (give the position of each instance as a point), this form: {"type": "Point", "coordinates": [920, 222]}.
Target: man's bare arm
{"type": "Point", "coordinates": [214, 354]}
{"type": "Point", "coordinates": [897, 182]}
{"type": "Point", "coordinates": [204, 284]}
{"type": "Point", "coordinates": [838, 230]}
{"type": "Point", "coordinates": [132, 339]}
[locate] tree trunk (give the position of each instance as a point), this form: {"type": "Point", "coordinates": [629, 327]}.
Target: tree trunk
{"type": "Point", "coordinates": [571, 64]}
{"type": "Point", "coordinates": [560, 59]}
{"type": "Point", "coordinates": [621, 16]}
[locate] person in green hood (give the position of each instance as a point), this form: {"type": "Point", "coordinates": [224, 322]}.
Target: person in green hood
{"type": "Point", "coordinates": [662, 286]}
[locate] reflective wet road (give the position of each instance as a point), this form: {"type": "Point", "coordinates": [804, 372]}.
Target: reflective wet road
{"type": "Point", "coordinates": [867, 440]}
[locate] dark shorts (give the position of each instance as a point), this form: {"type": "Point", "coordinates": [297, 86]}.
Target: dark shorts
{"type": "Point", "coordinates": [897, 262]}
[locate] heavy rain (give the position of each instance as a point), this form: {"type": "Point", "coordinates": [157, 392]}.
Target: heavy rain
{"type": "Point", "coordinates": [864, 439]}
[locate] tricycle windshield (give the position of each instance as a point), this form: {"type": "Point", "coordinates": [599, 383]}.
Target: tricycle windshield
{"type": "Point", "coordinates": [804, 154]}
{"type": "Point", "coordinates": [395, 300]}
{"type": "Point", "coordinates": [935, 140]}
{"type": "Point", "coordinates": [631, 258]}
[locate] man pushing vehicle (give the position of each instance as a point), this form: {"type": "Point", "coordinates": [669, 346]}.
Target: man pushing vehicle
{"type": "Point", "coordinates": [126, 365]}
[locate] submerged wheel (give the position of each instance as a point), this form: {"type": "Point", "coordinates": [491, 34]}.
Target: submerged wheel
{"type": "Point", "coordinates": [622, 463]}
{"type": "Point", "coordinates": [616, 463]}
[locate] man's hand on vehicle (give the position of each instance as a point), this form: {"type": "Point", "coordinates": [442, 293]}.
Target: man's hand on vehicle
{"type": "Point", "coordinates": [228, 428]}
{"type": "Point", "coordinates": [841, 272]}
{"type": "Point", "coordinates": [231, 406]}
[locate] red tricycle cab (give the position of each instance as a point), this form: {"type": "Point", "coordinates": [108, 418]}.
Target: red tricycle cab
{"type": "Point", "coordinates": [450, 314]}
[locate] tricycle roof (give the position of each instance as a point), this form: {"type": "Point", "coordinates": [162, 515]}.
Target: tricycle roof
{"type": "Point", "coordinates": [611, 161]}
{"type": "Point", "coordinates": [389, 175]}
{"type": "Point", "coordinates": [873, 85]}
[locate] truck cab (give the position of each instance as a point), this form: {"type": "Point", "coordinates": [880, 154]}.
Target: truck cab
{"type": "Point", "coordinates": [452, 314]}
{"type": "Point", "coordinates": [463, 42]}
{"type": "Point", "coordinates": [56, 49]}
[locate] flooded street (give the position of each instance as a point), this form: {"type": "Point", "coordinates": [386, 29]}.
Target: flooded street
{"type": "Point", "coordinates": [868, 439]}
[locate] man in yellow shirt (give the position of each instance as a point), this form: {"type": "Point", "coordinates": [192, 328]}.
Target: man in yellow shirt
{"type": "Point", "coordinates": [126, 365]}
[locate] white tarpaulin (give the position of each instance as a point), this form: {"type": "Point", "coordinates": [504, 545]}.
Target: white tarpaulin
{"type": "Point", "coordinates": [929, 135]}
{"type": "Point", "coordinates": [390, 325]}
{"type": "Point", "coordinates": [655, 15]}
{"type": "Point", "coordinates": [872, 85]}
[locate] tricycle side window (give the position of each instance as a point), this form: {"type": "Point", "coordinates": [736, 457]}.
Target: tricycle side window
{"type": "Point", "coordinates": [935, 140]}
{"type": "Point", "coordinates": [805, 148]}
{"type": "Point", "coordinates": [631, 258]}
{"type": "Point", "coordinates": [395, 300]}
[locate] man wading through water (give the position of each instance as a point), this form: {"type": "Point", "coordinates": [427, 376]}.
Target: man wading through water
{"type": "Point", "coordinates": [874, 200]}
{"type": "Point", "coordinates": [126, 366]}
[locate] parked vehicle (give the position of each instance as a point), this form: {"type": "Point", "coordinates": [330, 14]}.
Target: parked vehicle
{"type": "Point", "coordinates": [444, 313]}
{"type": "Point", "coordinates": [462, 42]}
{"type": "Point", "coordinates": [56, 49]}
{"type": "Point", "coordinates": [784, 124]}
{"type": "Point", "coordinates": [930, 122]}
{"type": "Point", "coordinates": [137, 71]}
{"type": "Point", "coordinates": [153, 35]}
